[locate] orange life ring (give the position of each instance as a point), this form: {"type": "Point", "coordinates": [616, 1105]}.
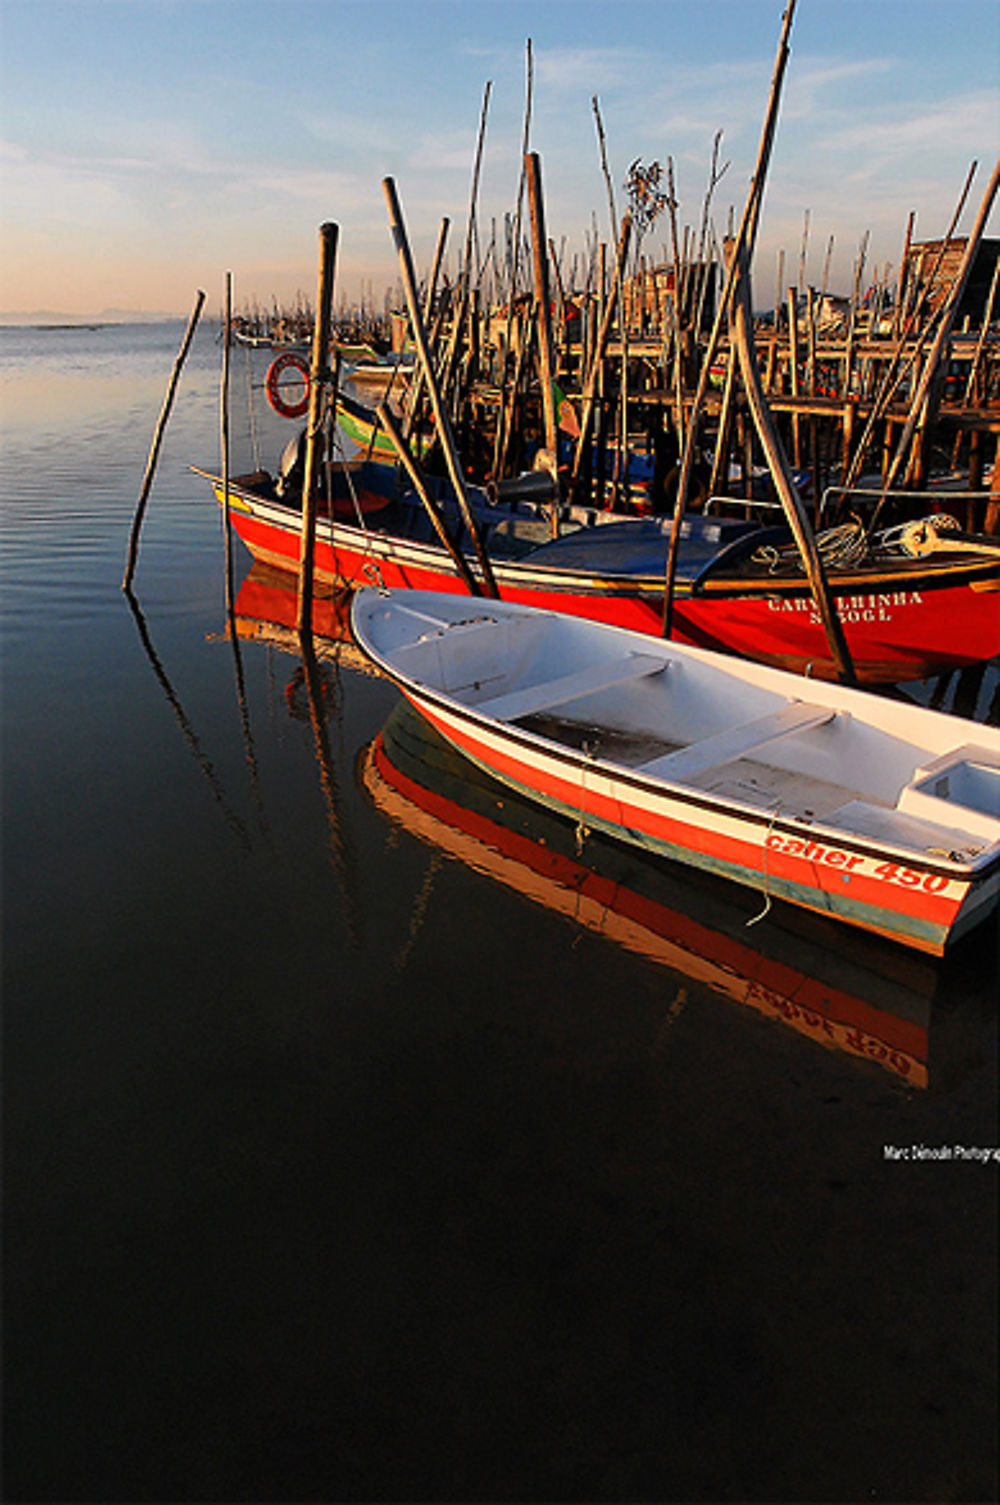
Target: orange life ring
{"type": "Point", "coordinates": [287, 362]}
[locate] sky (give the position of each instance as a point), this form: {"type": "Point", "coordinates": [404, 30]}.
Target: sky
{"type": "Point", "coordinates": [148, 147]}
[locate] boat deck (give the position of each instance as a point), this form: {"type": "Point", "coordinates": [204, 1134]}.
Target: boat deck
{"type": "Point", "coordinates": [748, 780]}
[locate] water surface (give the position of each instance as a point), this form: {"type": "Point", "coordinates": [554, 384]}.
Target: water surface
{"type": "Point", "coordinates": [367, 1139]}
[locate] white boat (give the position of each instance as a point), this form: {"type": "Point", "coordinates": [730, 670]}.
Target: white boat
{"type": "Point", "coordinates": [880, 813]}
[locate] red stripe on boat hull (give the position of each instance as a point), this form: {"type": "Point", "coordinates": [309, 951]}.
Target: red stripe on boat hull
{"type": "Point", "coordinates": [683, 830]}
{"type": "Point", "coordinates": [892, 635]}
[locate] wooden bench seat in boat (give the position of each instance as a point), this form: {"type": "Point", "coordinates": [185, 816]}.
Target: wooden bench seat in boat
{"type": "Point", "coordinates": [547, 694]}
{"type": "Point", "coordinates": [739, 741]}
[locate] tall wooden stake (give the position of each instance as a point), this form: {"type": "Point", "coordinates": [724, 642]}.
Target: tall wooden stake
{"type": "Point", "coordinates": [227, 340]}
{"type": "Point", "coordinates": [154, 452]}
{"type": "Point", "coordinates": [597, 361]}
{"type": "Point", "coordinates": [409, 464]}
{"type": "Point", "coordinates": [923, 403]}
{"type": "Point", "coordinates": [440, 416]}
{"type": "Point", "coordinates": [539, 241]}
{"type": "Point", "coordinates": [783, 483]}
{"type": "Point", "coordinates": [318, 373]}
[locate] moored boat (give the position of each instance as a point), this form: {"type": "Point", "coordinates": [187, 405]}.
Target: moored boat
{"type": "Point", "coordinates": [738, 590]}
{"type": "Point", "coordinates": [873, 1003]}
{"type": "Point", "coordinates": [876, 813]}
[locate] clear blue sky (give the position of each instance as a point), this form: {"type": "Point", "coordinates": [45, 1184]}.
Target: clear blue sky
{"type": "Point", "coordinates": [148, 146]}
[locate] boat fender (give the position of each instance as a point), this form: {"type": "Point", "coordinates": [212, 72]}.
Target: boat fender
{"type": "Point", "coordinates": [276, 397]}
{"type": "Point", "coordinates": [291, 467]}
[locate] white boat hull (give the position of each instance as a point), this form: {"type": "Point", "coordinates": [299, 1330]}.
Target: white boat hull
{"type": "Point", "coordinates": [880, 814]}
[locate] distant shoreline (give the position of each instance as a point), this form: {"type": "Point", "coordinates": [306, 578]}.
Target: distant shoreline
{"type": "Point", "coordinates": [49, 319]}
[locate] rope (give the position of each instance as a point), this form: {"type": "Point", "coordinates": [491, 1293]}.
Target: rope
{"type": "Point", "coordinates": [838, 547]}
{"type": "Point", "coordinates": [582, 829]}
{"type": "Point", "coordinates": [755, 919]}
{"type": "Point", "coordinates": [848, 544]}
{"type": "Point", "coordinates": [904, 536]}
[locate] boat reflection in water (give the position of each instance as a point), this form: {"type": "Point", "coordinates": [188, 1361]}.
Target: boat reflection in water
{"type": "Point", "coordinates": [866, 998]}
{"type": "Point", "coordinates": [869, 1000]}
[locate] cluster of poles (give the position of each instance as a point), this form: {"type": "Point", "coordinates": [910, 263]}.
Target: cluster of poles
{"type": "Point", "coordinates": [787, 395]}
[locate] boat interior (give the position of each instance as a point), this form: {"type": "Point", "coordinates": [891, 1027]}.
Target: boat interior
{"type": "Point", "coordinates": [674, 717]}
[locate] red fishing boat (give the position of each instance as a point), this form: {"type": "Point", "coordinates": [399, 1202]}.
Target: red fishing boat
{"type": "Point", "coordinates": [909, 609]}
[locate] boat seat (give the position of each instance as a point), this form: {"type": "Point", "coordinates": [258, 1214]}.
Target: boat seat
{"type": "Point", "coordinates": [551, 693]}
{"type": "Point", "coordinates": [961, 787]}
{"type": "Point", "coordinates": [737, 741]}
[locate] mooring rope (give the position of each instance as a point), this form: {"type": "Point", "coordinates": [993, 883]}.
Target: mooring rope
{"type": "Point", "coordinates": [755, 919]}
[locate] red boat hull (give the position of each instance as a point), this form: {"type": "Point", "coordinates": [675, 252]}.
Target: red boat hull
{"type": "Point", "coordinates": [909, 623]}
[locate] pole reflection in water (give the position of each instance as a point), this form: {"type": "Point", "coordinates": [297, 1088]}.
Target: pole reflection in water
{"type": "Point", "coordinates": [321, 682]}
{"type": "Point", "coordinates": [873, 1001]}
{"type": "Point", "coordinates": [265, 610]}
{"type": "Point", "coordinates": [187, 730]}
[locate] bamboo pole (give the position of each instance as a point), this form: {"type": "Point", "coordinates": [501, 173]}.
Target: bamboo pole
{"type": "Point", "coordinates": [318, 375]}
{"type": "Point", "coordinates": [619, 294]}
{"type": "Point", "coordinates": [895, 373]}
{"type": "Point", "coordinates": [440, 416]}
{"type": "Point", "coordinates": [678, 371]}
{"type": "Point", "coordinates": [597, 361]}
{"type": "Point", "coordinates": [154, 452]}
{"type": "Point", "coordinates": [737, 291]}
{"type": "Point", "coordinates": [923, 407]}
{"type": "Point", "coordinates": [793, 367]}
{"type": "Point", "coordinates": [904, 269]}
{"type": "Point", "coordinates": [719, 483]}
{"type": "Point", "coordinates": [415, 392]}
{"type": "Point", "coordinates": [447, 374]}
{"type": "Point", "coordinates": [784, 485]}
{"type": "Point", "coordinates": [227, 334]}
{"type": "Point", "coordinates": [409, 464]}
{"type": "Point", "coordinates": [500, 442]}
{"type": "Point", "coordinates": [745, 235]}
{"type": "Point", "coordinates": [826, 268]}
{"type": "Point", "coordinates": [545, 374]}
{"type": "Point", "coordinates": [974, 365]}
{"type": "Point", "coordinates": [859, 267]}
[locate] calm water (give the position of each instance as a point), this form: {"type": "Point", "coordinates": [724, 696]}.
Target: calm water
{"type": "Point", "coordinates": [364, 1139]}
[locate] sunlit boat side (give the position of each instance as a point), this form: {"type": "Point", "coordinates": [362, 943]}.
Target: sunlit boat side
{"type": "Point", "coordinates": [880, 814]}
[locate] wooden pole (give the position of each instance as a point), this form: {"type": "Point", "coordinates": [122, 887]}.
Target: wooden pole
{"type": "Point", "coordinates": [447, 373]}
{"type": "Point", "coordinates": [678, 363]}
{"type": "Point", "coordinates": [154, 452]}
{"type": "Point", "coordinates": [904, 271]}
{"type": "Point", "coordinates": [539, 242]}
{"type": "Point", "coordinates": [974, 365]}
{"type": "Point", "coordinates": [923, 402]}
{"type": "Point", "coordinates": [745, 236]}
{"type": "Point", "coordinates": [409, 464]}
{"type": "Point", "coordinates": [318, 375]}
{"type": "Point", "coordinates": [597, 361]}
{"type": "Point", "coordinates": [416, 387]}
{"type": "Point", "coordinates": [719, 483]}
{"type": "Point", "coordinates": [895, 373]}
{"type": "Point", "coordinates": [793, 368]}
{"type": "Point", "coordinates": [784, 485]}
{"type": "Point", "coordinates": [440, 416]}
{"type": "Point", "coordinates": [224, 439]}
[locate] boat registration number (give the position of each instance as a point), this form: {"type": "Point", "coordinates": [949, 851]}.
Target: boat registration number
{"type": "Point", "coordinates": [853, 862]}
